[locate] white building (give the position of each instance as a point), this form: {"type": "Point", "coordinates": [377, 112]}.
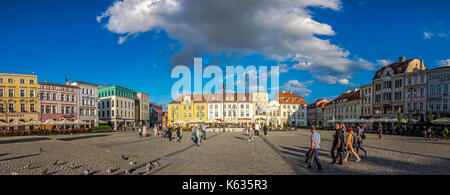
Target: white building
{"type": "Point", "coordinates": [87, 102]}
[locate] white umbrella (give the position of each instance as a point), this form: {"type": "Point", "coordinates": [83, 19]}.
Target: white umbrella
{"type": "Point", "coordinates": [65, 122]}
{"type": "Point", "coordinates": [50, 122]}
{"type": "Point", "coordinates": [2, 124]}
{"type": "Point", "coordinates": [441, 121]}
{"type": "Point", "coordinates": [35, 123]}
{"type": "Point", "coordinates": [17, 123]}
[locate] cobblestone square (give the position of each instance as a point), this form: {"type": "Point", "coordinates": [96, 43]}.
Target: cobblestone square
{"type": "Point", "coordinates": [280, 153]}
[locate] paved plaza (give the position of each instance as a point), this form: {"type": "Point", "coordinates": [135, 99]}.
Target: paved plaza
{"type": "Point", "coordinates": [280, 153]}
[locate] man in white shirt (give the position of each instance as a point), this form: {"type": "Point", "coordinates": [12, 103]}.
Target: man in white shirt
{"type": "Point", "coordinates": [257, 129]}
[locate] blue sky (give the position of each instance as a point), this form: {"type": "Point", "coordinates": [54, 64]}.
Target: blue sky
{"type": "Point", "coordinates": [58, 39]}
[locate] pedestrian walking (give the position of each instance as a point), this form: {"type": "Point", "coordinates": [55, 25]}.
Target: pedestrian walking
{"type": "Point", "coordinates": [351, 142]}
{"type": "Point", "coordinates": [250, 133]}
{"type": "Point", "coordinates": [380, 131]}
{"type": "Point", "coordinates": [179, 134]}
{"type": "Point", "coordinates": [169, 133]}
{"type": "Point", "coordinates": [256, 129]}
{"type": "Point", "coordinates": [315, 146]}
{"type": "Point", "coordinates": [338, 144]}
{"type": "Point", "coordinates": [265, 130]}
{"type": "Point", "coordinates": [359, 139]}
{"type": "Point", "coordinates": [140, 131]}
{"type": "Point", "coordinates": [203, 132]}
{"type": "Point", "coordinates": [197, 135]}
{"type": "Point", "coordinates": [155, 130]}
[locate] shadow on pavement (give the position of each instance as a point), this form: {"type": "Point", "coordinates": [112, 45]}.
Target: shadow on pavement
{"type": "Point", "coordinates": [34, 139]}
{"type": "Point", "coordinates": [19, 157]}
{"type": "Point", "coordinates": [82, 137]}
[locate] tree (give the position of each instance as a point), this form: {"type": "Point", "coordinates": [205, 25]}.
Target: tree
{"type": "Point", "coordinates": [438, 116]}
{"type": "Point", "coordinates": [399, 117]}
{"type": "Point", "coordinates": [430, 117]}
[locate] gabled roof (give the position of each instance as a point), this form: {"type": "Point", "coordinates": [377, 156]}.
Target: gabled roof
{"type": "Point", "coordinates": [291, 98]}
{"type": "Point", "coordinates": [349, 96]}
{"type": "Point", "coordinates": [398, 67]}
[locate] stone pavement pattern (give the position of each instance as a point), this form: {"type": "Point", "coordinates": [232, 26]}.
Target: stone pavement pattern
{"type": "Point", "coordinates": [280, 153]}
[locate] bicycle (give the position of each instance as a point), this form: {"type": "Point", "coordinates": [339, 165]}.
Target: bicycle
{"type": "Point", "coordinates": [431, 136]}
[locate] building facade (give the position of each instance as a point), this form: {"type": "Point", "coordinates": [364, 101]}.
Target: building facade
{"type": "Point", "coordinates": [366, 100]}
{"type": "Point", "coordinates": [344, 107]}
{"type": "Point", "coordinates": [315, 112]}
{"type": "Point", "coordinates": [389, 86]}
{"type": "Point", "coordinates": [438, 97]}
{"type": "Point", "coordinates": [117, 106]}
{"type": "Point", "coordinates": [293, 109]}
{"type": "Point", "coordinates": [187, 108]}
{"type": "Point", "coordinates": [416, 94]}
{"type": "Point", "coordinates": [18, 97]}
{"type": "Point", "coordinates": [87, 102]}
{"type": "Point", "coordinates": [156, 114]}
{"type": "Point", "coordinates": [57, 101]}
{"type": "Point", "coordinates": [143, 108]}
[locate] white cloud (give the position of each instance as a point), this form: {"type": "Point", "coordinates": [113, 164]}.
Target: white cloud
{"type": "Point", "coordinates": [298, 87]}
{"type": "Point", "coordinates": [289, 34]}
{"type": "Point", "coordinates": [343, 81]}
{"type": "Point", "coordinates": [384, 62]}
{"type": "Point", "coordinates": [444, 62]}
{"type": "Point", "coordinates": [428, 35]}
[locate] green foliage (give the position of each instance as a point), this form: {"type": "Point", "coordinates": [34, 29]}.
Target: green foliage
{"type": "Point", "coordinates": [438, 116]}
{"type": "Point", "coordinates": [399, 116]}
{"type": "Point", "coordinates": [430, 117]}
{"type": "Point", "coordinates": [101, 128]}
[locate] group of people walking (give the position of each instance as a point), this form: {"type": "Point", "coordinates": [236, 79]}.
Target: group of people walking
{"type": "Point", "coordinates": [253, 130]}
{"type": "Point", "coordinates": [341, 146]}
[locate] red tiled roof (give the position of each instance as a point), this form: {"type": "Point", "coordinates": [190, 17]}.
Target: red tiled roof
{"type": "Point", "coordinates": [399, 67]}
{"type": "Point", "coordinates": [353, 95]}
{"type": "Point", "coordinates": [291, 98]}
{"type": "Point", "coordinates": [59, 85]}
{"type": "Point", "coordinates": [214, 97]}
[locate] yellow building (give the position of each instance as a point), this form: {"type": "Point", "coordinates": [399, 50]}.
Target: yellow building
{"type": "Point", "coordinates": [18, 97]}
{"type": "Point", "coordinates": [187, 108]}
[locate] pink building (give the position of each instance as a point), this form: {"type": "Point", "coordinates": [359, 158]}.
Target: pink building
{"type": "Point", "coordinates": [416, 94]}
{"type": "Point", "coordinates": [57, 101]}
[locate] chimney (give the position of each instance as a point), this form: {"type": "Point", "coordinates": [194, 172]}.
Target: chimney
{"type": "Point", "coordinates": [402, 59]}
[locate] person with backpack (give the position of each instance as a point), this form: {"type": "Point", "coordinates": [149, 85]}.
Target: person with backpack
{"type": "Point", "coordinates": [350, 145]}
{"type": "Point", "coordinates": [359, 137]}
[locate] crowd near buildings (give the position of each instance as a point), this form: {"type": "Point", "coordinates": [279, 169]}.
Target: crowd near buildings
{"type": "Point", "coordinates": [286, 109]}
{"type": "Point", "coordinates": [405, 87]}
{"type": "Point", "coordinates": [23, 98]}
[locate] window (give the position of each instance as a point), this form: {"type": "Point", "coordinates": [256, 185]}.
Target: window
{"type": "Point", "coordinates": [54, 110]}
{"type": "Point", "coordinates": [1, 80]}
{"type": "Point", "coordinates": [22, 81]}
{"type": "Point", "coordinates": [2, 108]}
{"type": "Point", "coordinates": [445, 105]}
{"type": "Point", "coordinates": [378, 87]}
{"type": "Point", "coordinates": [73, 98]}
{"type": "Point", "coordinates": [1, 92]}
{"type": "Point", "coordinates": [421, 106]}
{"type": "Point", "coordinates": [422, 79]}
{"type": "Point", "coordinates": [422, 92]}
{"type": "Point", "coordinates": [438, 89]}
{"type": "Point", "coordinates": [22, 108]}
{"type": "Point", "coordinates": [438, 105]}
{"type": "Point", "coordinates": [11, 107]}
{"type": "Point", "coordinates": [446, 89]}
{"type": "Point", "coordinates": [10, 81]}
{"type": "Point", "coordinates": [11, 92]}
{"type": "Point", "coordinates": [68, 98]}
